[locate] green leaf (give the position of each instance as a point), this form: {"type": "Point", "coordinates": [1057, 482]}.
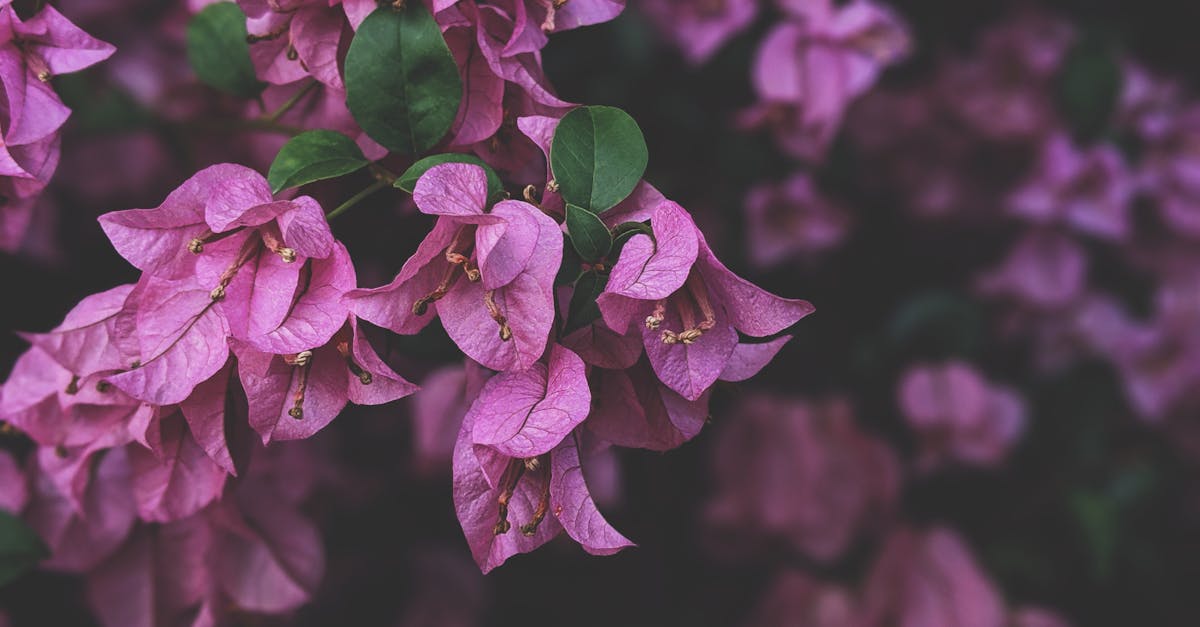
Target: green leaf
{"type": "Point", "coordinates": [937, 325]}
{"type": "Point", "coordinates": [20, 548]}
{"type": "Point", "coordinates": [408, 180]}
{"type": "Point", "coordinates": [598, 156]}
{"type": "Point", "coordinates": [314, 156]}
{"type": "Point", "coordinates": [583, 308]}
{"type": "Point", "coordinates": [571, 266]}
{"type": "Point", "coordinates": [1098, 520]}
{"type": "Point", "coordinates": [1089, 85]}
{"type": "Point", "coordinates": [218, 52]}
{"type": "Point", "coordinates": [402, 85]}
{"type": "Point", "coordinates": [588, 234]}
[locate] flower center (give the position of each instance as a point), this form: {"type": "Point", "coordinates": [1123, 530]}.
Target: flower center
{"type": "Point", "coordinates": [692, 330]}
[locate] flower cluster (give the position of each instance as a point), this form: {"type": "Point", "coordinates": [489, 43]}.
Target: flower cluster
{"type": "Point", "coordinates": [33, 52]}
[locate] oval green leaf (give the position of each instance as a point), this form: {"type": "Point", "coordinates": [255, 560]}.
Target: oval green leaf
{"type": "Point", "coordinates": [314, 156]}
{"type": "Point", "coordinates": [598, 156]}
{"type": "Point", "coordinates": [408, 180]}
{"type": "Point", "coordinates": [402, 85]}
{"type": "Point", "coordinates": [583, 308]}
{"type": "Point", "coordinates": [588, 234]}
{"type": "Point", "coordinates": [218, 52]}
{"type": "Point", "coordinates": [20, 548]}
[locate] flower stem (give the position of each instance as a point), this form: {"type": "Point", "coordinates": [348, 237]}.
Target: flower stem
{"type": "Point", "coordinates": [291, 102]}
{"type": "Point", "coordinates": [355, 199]}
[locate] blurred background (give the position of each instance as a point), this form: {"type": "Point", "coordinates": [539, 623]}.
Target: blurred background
{"type": "Point", "coordinates": [991, 419]}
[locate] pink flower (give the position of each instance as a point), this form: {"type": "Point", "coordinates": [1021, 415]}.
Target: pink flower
{"type": "Point", "coordinates": [801, 473]}
{"type": "Point", "coordinates": [700, 28]}
{"type": "Point", "coordinates": [817, 64]}
{"type": "Point", "coordinates": [960, 415]}
{"type": "Point", "coordinates": [790, 219]}
{"type": "Point", "coordinates": [484, 274]}
{"type": "Point", "coordinates": [691, 306]}
{"type": "Point", "coordinates": [930, 579]}
{"type": "Point", "coordinates": [1092, 192]}
{"type": "Point", "coordinates": [1045, 270]}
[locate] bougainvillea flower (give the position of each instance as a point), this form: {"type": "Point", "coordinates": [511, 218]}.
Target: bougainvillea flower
{"type": "Point", "coordinates": [175, 478]}
{"type": "Point", "coordinates": [81, 534]}
{"type": "Point", "coordinates": [484, 274]}
{"type": "Point", "coordinates": [959, 414]}
{"type": "Point", "coordinates": [181, 337]}
{"type": "Point", "coordinates": [821, 61]}
{"type": "Point", "coordinates": [252, 551]}
{"type": "Point", "coordinates": [293, 396]}
{"type": "Point", "coordinates": [527, 413]}
{"type": "Point", "coordinates": [930, 579]}
{"type": "Point", "coordinates": [1090, 191]}
{"type": "Point", "coordinates": [691, 306]}
{"type": "Point", "coordinates": [805, 474]}
{"type": "Point", "coordinates": [1044, 270]}
{"type": "Point", "coordinates": [633, 409]}
{"type": "Point", "coordinates": [791, 219]}
{"type": "Point", "coordinates": [292, 40]}
{"type": "Point", "coordinates": [503, 503]}
{"type": "Point", "coordinates": [446, 396]}
{"type": "Point", "coordinates": [1004, 92]}
{"type": "Point", "coordinates": [699, 29]}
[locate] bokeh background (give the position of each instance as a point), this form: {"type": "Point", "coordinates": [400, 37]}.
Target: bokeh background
{"type": "Point", "coordinates": [1086, 504]}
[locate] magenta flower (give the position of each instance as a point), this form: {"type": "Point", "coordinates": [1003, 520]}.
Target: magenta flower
{"type": "Point", "coordinates": [1004, 91]}
{"type": "Point", "coordinates": [691, 306]}
{"type": "Point", "coordinates": [492, 491]}
{"type": "Point", "coordinates": [817, 64]}
{"type": "Point", "coordinates": [293, 396]}
{"type": "Point", "coordinates": [1044, 270]}
{"type": "Point", "coordinates": [1091, 191]}
{"type": "Point", "coordinates": [699, 29]}
{"type": "Point", "coordinates": [294, 39]}
{"type": "Point", "coordinates": [958, 414]}
{"type": "Point", "coordinates": [930, 579]}
{"type": "Point", "coordinates": [791, 219]}
{"type": "Point", "coordinates": [484, 274]}
{"type": "Point", "coordinates": [805, 475]}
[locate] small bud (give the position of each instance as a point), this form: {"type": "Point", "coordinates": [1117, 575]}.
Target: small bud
{"type": "Point", "coordinates": [669, 338]}
{"type": "Point", "coordinates": [288, 255]}
{"type": "Point", "coordinates": [690, 336]}
{"type": "Point", "coordinates": [292, 55]}
{"type": "Point", "coordinates": [296, 413]}
{"type": "Point", "coordinates": [552, 185]}
{"type": "Point", "coordinates": [473, 275]}
{"type": "Point", "coordinates": [653, 322]}
{"type": "Point", "coordinates": [420, 307]}
{"type": "Point", "coordinates": [103, 386]}
{"type": "Point", "coordinates": [217, 293]}
{"type": "Point", "coordinates": [505, 332]}
{"type": "Point", "coordinates": [501, 528]}
{"type": "Point", "coordinates": [44, 76]}
{"type": "Point", "coordinates": [73, 386]}
{"type": "Point", "coordinates": [299, 359]}
{"type": "Point", "coordinates": [532, 464]}
{"type": "Point", "coordinates": [196, 246]}
{"type": "Point", "coordinates": [365, 378]}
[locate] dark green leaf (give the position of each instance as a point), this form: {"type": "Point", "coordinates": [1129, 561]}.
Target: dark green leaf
{"type": "Point", "coordinates": [402, 85]}
{"type": "Point", "coordinates": [218, 52]}
{"type": "Point", "coordinates": [588, 233]}
{"type": "Point", "coordinates": [314, 156]}
{"type": "Point", "coordinates": [20, 548]}
{"type": "Point", "coordinates": [1099, 522]}
{"type": "Point", "coordinates": [1089, 85]}
{"type": "Point", "coordinates": [583, 309]}
{"type": "Point", "coordinates": [571, 266]}
{"type": "Point", "coordinates": [408, 180]}
{"type": "Point", "coordinates": [598, 156]}
{"type": "Point", "coordinates": [937, 325]}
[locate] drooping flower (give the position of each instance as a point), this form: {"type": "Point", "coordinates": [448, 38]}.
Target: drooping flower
{"type": "Point", "coordinates": [958, 414]}
{"type": "Point", "coordinates": [485, 275]}
{"type": "Point", "coordinates": [690, 305]}
{"type": "Point", "coordinates": [791, 219]}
